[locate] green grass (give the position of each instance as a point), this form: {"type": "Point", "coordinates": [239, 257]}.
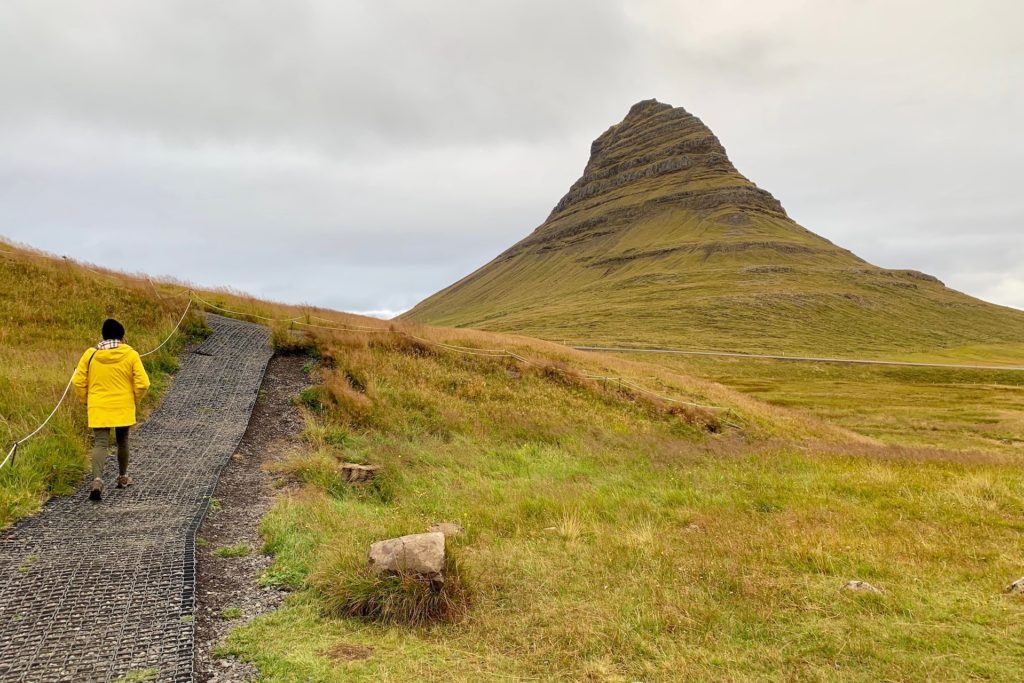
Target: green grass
{"type": "Point", "coordinates": [231, 612]}
{"type": "Point", "coordinates": [826, 303]}
{"type": "Point", "coordinates": [400, 599]}
{"type": "Point", "coordinates": [609, 535]}
{"type": "Point", "coordinates": [666, 562]}
{"type": "Point", "coordinates": [139, 676]}
{"type": "Point", "coordinates": [939, 407]}
{"type": "Point", "coordinates": [58, 307]}
{"type": "Point", "coordinates": [239, 550]}
{"type": "Point", "coordinates": [608, 539]}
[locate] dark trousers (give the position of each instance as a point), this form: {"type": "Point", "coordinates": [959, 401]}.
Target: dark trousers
{"type": "Point", "coordinates": [100, 443]}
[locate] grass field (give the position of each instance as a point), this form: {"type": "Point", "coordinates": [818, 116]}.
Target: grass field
{"type": "Point", "coordinates": [946, 408]}
{"type": "Point", "coordinates": [609, 534]}
{"type": "Point", "coordinates": [705, 287]}
{"type": "Point", "coordinates": [52, 309]}
{"type": "Point", "coordinates": [609, 540]}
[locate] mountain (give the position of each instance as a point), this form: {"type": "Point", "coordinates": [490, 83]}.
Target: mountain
{"type": "Point", "coordinates": [663, 242]}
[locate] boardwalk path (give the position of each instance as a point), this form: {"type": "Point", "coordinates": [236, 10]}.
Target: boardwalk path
{"type": "Point", "coordinates": [96, 591]}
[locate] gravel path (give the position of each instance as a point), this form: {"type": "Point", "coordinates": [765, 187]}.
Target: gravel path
{"type": "Point", "coordinates": [245, 493]}
{"type": "Point", "coordinates": [102, 591]}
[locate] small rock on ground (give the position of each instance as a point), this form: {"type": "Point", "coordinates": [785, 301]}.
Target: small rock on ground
{"type": "Point", "coordinates": [421, 554]}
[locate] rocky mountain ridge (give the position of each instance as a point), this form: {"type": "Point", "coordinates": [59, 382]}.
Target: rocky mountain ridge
{"type": "Point", "coordinates": [662, 240]}
{"type": "Point", "coordinates": [657, 144]}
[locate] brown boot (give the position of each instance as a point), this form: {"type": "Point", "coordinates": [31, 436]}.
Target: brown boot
{"type": "Point", "coordinates": [124, 481]}
{"type": "Point", "coordinates": [97, 490]}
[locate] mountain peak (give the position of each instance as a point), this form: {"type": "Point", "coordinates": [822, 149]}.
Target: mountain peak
{"type": "Point", "coordinates": [646, 107]}
{"type": "Point", "coordinates": [663, 240]}
{"type": "Point", "coordinates": [662, 156]}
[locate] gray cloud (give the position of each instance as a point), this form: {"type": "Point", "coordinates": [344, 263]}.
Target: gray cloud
{"type": "Point", "coordinates": [364, 154]}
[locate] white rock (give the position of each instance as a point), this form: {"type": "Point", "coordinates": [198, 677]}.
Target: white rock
{"type": "Point", "coordinates": [355, 473]}
{"type": "Point", "coordinates": [421, 554]}
{"type": "Point", "coordinates": [1016, 587]}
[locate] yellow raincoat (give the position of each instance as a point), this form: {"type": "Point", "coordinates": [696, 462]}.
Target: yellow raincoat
{"type": "Point", "coordinates": [110, 385]}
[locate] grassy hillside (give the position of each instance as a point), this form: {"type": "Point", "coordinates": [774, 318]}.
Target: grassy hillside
{"type": "Point", "coordinates": [51, 310]}
{"type": "Point", "coordinates": [55, 306]}
{"type": "Point", "coordinates": [610, 533]}
{"type": "Point", "coordinates": [607, 538]}
{"type": "Point", "coordinates": [947, 408]}
{"type": "Point", "coordinates": [663, 242]}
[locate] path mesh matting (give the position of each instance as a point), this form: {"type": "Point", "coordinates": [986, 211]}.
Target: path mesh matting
{"type": "Point", "coordinates": [95, 591]}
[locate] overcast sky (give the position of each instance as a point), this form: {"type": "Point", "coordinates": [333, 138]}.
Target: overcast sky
{"type": "Point", "coordinates": [362, 155]}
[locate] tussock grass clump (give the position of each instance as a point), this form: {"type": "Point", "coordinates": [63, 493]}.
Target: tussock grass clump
{"type": "Point", "coordinates": [400, 343]}
{"type": "Point", "coordinates": [325, 434]}
{"type": "Point", "coordinates": [319, 469]}
{"type": "Point", "coordinates": [399, 599]}
{"type": "Point", "coordinates": [335, 343]}
{"type": "Point", "coordinates": [288, 341]}
{"type": "Point", "coordinates": [705, 419]}
{"type": "Point", "coordinates": [561, 373]}
{"type": "Point", "coordinates": [313, 397]}
{"type": "Point", "coordinates": [323, 470]}
{"type": "Point", "coordinates": [349, 399]}
{"type": "Point", "coordinates": [356, 379]}
{"type": "Point", "coordinates": [238, 550]}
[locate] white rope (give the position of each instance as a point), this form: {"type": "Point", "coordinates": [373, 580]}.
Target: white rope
{"type": "Point", "coordinates": [67, 388]}
{"type": "Point", "coordinates": [155, 290]}
{"type": "Point", "coordinates": [251, 315]}
{"type": "Point", "coordinates": [636, 386]}
{"type": "Point", "coordinates": [14, 447]}
{"type": "Point", "coordinates": [490, 353]}
{"type": "Point", "coordinates": [180, 320]}
{"type": "Point", "coordinates": [348, 325]}
{"type": "Point", "coordinates": [340, 329]}
{"type": "Point", "coordinates": [165, 295]}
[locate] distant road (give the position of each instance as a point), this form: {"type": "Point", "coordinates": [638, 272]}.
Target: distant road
{"type": "Point", "coordinates": [809, 359]}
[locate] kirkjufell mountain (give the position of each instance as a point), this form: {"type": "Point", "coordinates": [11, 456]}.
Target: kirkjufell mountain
{"type": "Point", "coordinates": [663, 242]}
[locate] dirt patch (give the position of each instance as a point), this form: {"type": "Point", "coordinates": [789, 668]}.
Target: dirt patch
{"type": "Point", "coordinates": [229, 561]}
{"type": "Point", "coordinates": [343, 652]}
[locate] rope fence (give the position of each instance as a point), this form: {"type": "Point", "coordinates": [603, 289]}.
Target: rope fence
{"type": "Point", "coordinates": [67, 389]}
{"type": "Point", "coordinates": [467, 350]}
{"type": "Point", "coordinates": [194, 298]}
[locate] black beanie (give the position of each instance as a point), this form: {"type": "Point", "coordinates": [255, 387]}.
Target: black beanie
{"type": "Point", "coordinates": [112, 329]}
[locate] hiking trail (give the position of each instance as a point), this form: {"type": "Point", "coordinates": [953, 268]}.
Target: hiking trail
{"type": "Point", "coordinates": [99, 591]}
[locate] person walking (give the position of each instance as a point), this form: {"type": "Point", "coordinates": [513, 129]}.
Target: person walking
{"type": "Point", "coordinates": [110, 379]}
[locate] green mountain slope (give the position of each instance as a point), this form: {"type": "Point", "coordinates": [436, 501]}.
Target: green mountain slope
{"type": "Point", "coordinates": [662, 241]}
